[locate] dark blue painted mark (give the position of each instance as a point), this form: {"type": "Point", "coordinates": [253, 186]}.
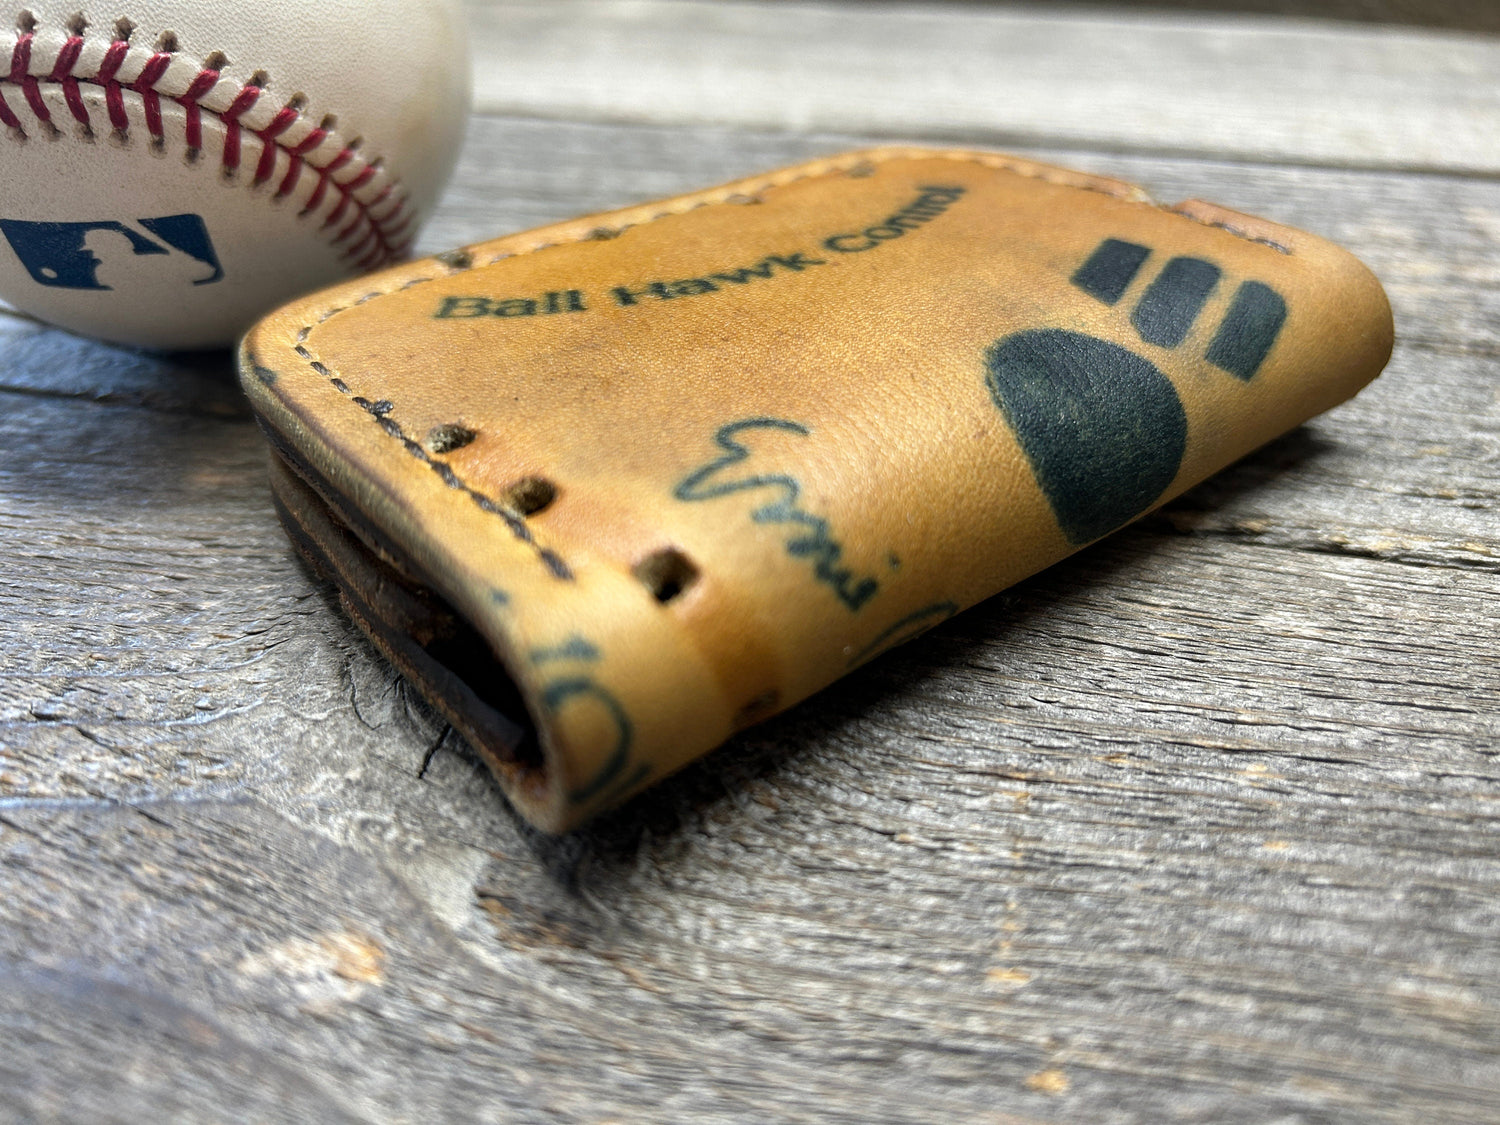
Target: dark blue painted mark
{"type": "Point", "coordinates": [1250, 327]}
{"type": "Point", "coordinates": [1110, 269]}
{"type": "Point", "coordinates": [910, 627]}
{"type": "Point", "coordinates": [1173, 301]}
{"type": "Point", "coordinates": [559, 694]}
{"type": "Point", "coordinates": [66, 255]}
{"type": "Point", "coordinates": [188, 234]}
{"type": "Point", "coordinates": [1102, 427]}
{"type": "Point", "coordinates": [814, 539]}
{"type": "Point", "coordinates": [574, 648]}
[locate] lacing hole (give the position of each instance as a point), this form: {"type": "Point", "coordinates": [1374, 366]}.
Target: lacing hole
{"type": "Point", "coordinates": [448, 437]}
{"type": "Point", "coordinates": [667, 573]}
{"type": "Point", "coordinates": [530, 495]}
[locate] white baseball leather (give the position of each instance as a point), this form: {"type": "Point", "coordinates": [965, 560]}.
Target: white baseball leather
{"type": "Point", "coordinates": [172, 169]}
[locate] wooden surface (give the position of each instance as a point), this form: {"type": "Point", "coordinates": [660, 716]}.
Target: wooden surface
{"type": "Point", "coordinates": [1200, 826]}
{"type": "Point", "coordinates": [1469, 15]}
{"type": "Point", "coordinates": [1251, 88]}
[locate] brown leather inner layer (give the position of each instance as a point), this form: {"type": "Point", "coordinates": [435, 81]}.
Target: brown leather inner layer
{"type": "Point", "coordinates": [414, 627]}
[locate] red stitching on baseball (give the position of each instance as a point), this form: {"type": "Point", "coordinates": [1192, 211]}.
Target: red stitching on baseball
{"type": "Point", "coordinates": [114, 100]}
{"type": "Point", "coordinates": [62, 72]}
{"type": "Point", "coordinates": [20, 62]}
{"type": "Point", "coordinates": [289, 181]}
{"type": "Point", "coordinates": [386, 238]}
{"type": "Point", "coordinates": [335, 216]}
{"type": "Point", "coordinates": [310, 142]}
{"type": "Point", "coordinates": [315, 200]}
{"type": "Point", "coordinates": [285, 118]}
{"type": "Point", "coordinates": [244, 101]}
{"type": "Point", "coordinates": [20, 58]}
{"type": "Point", "coordinates": [348, 230]}
{"type": "Point", "coordinates": [345, 155]}
{"type": "Point", "coordinates": [66, 59]}
{"type": "Point", "coordinates": [202, 84]}
{"type": "Point", "coordinates": [265, 165]}
{"type": "Point", "coordinates": [362, 179]}
{"type": "Point", "coordinates": [151, 74]}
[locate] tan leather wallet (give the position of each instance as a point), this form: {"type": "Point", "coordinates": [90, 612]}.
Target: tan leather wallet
{"type": "Point", "coordinates": [611, 490]}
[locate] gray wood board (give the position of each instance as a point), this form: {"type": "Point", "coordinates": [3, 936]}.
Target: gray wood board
{"type": "Point", "coordinates": [1199, 825]}
{"type": "Point", "coordinates": [1235, 85]}
{"type": "Point", "coordinates": [1472, 15]}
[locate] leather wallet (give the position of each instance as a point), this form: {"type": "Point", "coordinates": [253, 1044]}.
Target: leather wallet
{"type": "Point", "coordinates": [611, 490]}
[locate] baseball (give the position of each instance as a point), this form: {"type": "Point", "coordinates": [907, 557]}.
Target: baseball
{"type": "Point", "coordinates": [172, 169]}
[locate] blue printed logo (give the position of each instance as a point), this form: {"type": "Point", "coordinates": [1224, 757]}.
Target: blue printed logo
{"type": "Point", "coordinates": [112, 255]}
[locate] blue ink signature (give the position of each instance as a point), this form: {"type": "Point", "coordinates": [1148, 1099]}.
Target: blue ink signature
{"type": "Point", "coordinates": [814, 539]}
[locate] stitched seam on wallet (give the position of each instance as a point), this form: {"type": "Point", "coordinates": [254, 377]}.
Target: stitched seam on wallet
{"type": "Point", "coordinates": [460, 262]}
{"type": "Point", "coordinates": [368, 233]}
{"type": "Point", "coordinates": [988, 161]}
{"type": "Point", "coordinates": [381, 408]}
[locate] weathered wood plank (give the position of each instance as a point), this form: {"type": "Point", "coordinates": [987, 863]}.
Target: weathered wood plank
{"type": "Point", "coordinates": [110, 1052]}
{"type": "Point", "coordinates": [954, 874]}
{"type": "Point", "coordinates": [1470, 15]}
{"type": "Point", "coordinates": [1239, 86]}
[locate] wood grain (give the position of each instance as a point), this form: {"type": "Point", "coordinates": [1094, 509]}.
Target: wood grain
{"type": "Point", "coordinates": [1300, 91]}
{"type": "Point", "coordinates": [1199, 825]}
{"type": "Point", "coordinates": [1468, 15]}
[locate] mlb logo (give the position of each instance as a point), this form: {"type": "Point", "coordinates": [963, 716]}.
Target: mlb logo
{"type": "Point", "coordinates": [106, 255]}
